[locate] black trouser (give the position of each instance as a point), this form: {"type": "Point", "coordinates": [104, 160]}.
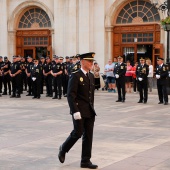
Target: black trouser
{"type": "Point", "coordinates": [7, 81]}
{"type": "Point", "coordinates": [134, 84]}
{"type": "Point", "coordinates": [162, 92]}
{"type": "Point", "coordinates": [16, 85]}
{"type": "Point", "coordinates": [83, 127]}
{"type": "Point", "coordinates": [64, 84]}
{"type": "Point", "coordinates": [24, 80]}
{"type": "Point", "coordinates": [29, 81]}
{"type": "Point", "coordinates": [41, 83]}
{"type": "Point", "coordinates": [36, 87]}
{"type": "Point", "coordinates": [120, 83]}
{"type": "Point", "coordinates": [57, 85]}
{"type": "Point", "coordinates": [1, 80]}
{"type": "Point", "coordinates": [143, 90]}
{"type": "Point", "coordinates": [48, 82]}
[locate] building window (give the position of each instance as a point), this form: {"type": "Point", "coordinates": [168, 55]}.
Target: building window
{"type": "Point", "coordinates": [36, 41]}
{"type": "Point", "coordinates": [34, 18]}
{"type": "Point", "coordinates": [137, 37]}
{"type": "Point", "coordinates": [138, 11]}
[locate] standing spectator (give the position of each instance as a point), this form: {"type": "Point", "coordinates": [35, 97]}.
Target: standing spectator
{"type": "Point", "coordinates": [134, 77]}
{"type": "Point", "coordinates": [96, 72]}
{"type": "Point", "coordinates": [142, 72]}
{"type": "Point", "coordinates": [109, 69]}
{"type": "Point", "coordinates": [119, 71]}
{"type": "Point", "coordinates": [150, 75]}
{"type": "Point", "coordinates": [128, 77]}
{"type": "Point", "coordinates": [162, 75]}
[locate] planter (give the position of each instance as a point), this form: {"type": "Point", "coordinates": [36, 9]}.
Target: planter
{"type": "Point", "coordinates": [166, 27]}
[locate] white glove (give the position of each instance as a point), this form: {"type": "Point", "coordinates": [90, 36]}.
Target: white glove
{"type": "Point", "coordinates": [158, 76]}
{"type": "Point", "coordinates": [169, 74]}
{"type": "Point", "coordinates": [77, 116]}
{"type": "Point", "coordinates": [140, 79]}
{"type": "Point", "coordinates": [33, 78]}
{"type": "Point", "coordinates": [117, 76]}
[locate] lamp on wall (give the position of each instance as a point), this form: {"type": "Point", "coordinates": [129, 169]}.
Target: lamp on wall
{"type": "Point", "coordinates": [162, 7]}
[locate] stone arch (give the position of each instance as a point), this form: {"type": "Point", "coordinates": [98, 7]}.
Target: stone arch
{"type": "Point", "coordinates": [12, 23]}
{"type": "Point", "coordinates": [115, 8]}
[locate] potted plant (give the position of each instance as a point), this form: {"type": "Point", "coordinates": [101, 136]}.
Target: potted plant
{"type": "Point", "coordinates": [166, 23]}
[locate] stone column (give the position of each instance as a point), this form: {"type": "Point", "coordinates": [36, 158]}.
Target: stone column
{"type": "Point", "coordinates": [3, 29]}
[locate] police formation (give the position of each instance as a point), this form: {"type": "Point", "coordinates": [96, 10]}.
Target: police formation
{"type": "Point", "coordinates": [31, 75]}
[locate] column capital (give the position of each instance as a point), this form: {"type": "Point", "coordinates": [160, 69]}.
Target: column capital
{"type": "Point", "coordinates": [109, 28]}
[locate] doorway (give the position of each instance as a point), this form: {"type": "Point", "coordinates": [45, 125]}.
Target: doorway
{"type": "Point", "coordinates": [40, 51]}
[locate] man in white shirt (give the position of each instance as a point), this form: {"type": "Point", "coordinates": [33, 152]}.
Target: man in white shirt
{"type": "Point", "coordinates": [150, 75]}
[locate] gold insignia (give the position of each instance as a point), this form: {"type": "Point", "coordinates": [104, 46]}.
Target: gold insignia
{"type": "Point", "coordinates": [93, 55]}
{"type": "Point", "coordinates": [81, 79]}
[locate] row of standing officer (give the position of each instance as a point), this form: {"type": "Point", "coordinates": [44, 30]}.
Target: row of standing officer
{"type": "Point", "coordinates": [21, 72]}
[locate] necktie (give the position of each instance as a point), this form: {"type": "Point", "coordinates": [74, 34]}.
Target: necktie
{"type": "Point", "coordinates": [160, 66]}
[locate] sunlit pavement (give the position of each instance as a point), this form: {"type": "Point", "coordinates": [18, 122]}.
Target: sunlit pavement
{"type": "Point", "coordinates": [127, 136]}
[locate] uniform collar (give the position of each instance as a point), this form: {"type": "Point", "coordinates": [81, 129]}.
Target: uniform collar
{"type": "Point", "coordinates": [84, 71]}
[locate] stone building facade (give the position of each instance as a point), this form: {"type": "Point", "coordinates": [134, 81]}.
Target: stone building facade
{"type": "Point", "coordinates": [69, 27]}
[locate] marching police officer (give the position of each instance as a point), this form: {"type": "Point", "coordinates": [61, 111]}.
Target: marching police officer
{"type": "Point", "coordinates": [57, 78]}
{"type": "Point", "coordinates": [142, 72]}
{"type": "Point", "coordinates": [28, 73]}
{"type": "Point", "coordinates": [36, 79]}
{"type": "Point", "coordinates": [7, 78]}
{"type": "Point", "coordinates": [15, 73]}
{"type": "Point", "coordinates": [119, 71]}
{"type": "Point", "coordinates": [48, 77]}
{"type": "Point", "coordinates": [162, 75]}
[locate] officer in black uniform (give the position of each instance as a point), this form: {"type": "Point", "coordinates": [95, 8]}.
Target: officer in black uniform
{"type": "Point", "coordinates": [48, 77]}
{"type": "Point", "coordinates": [1, 73]}
{"type": "Point", "coordinates": [42, 63]}
{"type": "Point", "coordinates": [57, 78]}
{"type": "Point", "coordinates": [142, 72]}
{"type": "Point", "coordinates": [15, 73]}
{"type": "Point", "coordinates": [7, 78]}
{"type": "Point", "coordinates": [67, 65]}
{"type": "Point", "coordinates": [23, 74]}
{"type": "Point", "coordinates": [36, 79]}
{"type": "Point", "coordinates": [81, 101]}
{"type": "Point", "coordinates": [28, 73]}
{"type": "Point", "coordinates": [76, 64]}
{"type": "Point", "coordinates": [161, 76]}
{"type": "Point", "coordinates": [119, 71]}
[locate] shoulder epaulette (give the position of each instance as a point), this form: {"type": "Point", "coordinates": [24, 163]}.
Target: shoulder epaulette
{"type": "Point", "coordinates": [75, 71]}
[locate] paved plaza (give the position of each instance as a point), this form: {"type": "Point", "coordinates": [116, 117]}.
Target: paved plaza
{"type": "Point", "coordinates": [127, 136]}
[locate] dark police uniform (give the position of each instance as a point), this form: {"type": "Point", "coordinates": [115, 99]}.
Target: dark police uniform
{"type": "Point", "coordinates": [29, 80]}
{"type": "Point", "coordinates": [36, 73]}
{"type": "Point", "coordinates": [120, 69]}
{"type": "Point", "coordinates": [42, 76]}
{"type": "Point", "coordinates": [80, 97]}
{"type": "Point", "coordinates": [142, 72]}
{"type": "Point", "coordinates": [7, 78]}
{"type": "Point", "coordinates": [16, 80]}
{"type": "Point", "coordinates": [48, 79]}
{"type": "Point", "coordinates": [57, 81]}
{"type": "Point", "coordinates": [1, 74]}
{"type": "Point", "coordinates": [23, 75]}
{"type": "Point", "coordinates": [76, 67]}
{"type": "Point", "coordinates": [162, 83]}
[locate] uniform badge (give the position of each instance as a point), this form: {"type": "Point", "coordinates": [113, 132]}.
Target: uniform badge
{"type": "Point", "coordinates": [81, 79]}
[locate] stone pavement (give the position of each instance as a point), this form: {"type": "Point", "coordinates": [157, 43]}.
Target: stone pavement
{"type": "Point", "coordinates": [127, 136]}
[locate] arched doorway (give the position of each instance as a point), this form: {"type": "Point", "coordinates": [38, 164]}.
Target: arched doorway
{"type": "Point", "coordinates": [136, 32]}
{"type": "Point", "coordinates": [33, 36]}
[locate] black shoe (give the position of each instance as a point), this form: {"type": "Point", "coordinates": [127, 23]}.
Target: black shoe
{"type": "Point", "coordinates": [47, 95]}
{"type": "Point", "coordinates": [4, 93]}
{"type": "Point", "coordinates": [9, 93]}
{"type": "Point", "coordinates": [166, 103]}
{"type": "Point", "coordinates": [123, 101]}
{"type": "Point", "coordinates": [12, 96]}
{"type": "Point", "coordinates": [65, 95]}
{"type": "Point", "coordinates": [59, 98]}
{"type": "Point", "coordinates": [88, 165]}
{"type": "Point", "coordinates": [140, 101]}
{"type": "Point", "coordinates": [50, 95]}
{"type": "Point", "coordinates": [38, 97]}
{"type": "Point", "coordinates": [160, 103]}
{"type": "Point", "coordinates": [55, 97]}
{"type": "Point", "coordinates": [118, 100]}
{"type": "Point", "coordinates": [61, 155]}
{"type": "Point", "coordinates": [28, 95]}
{"type": "Point", "coordinates": [144, 102]}
{"type": "Point", "coordinates": [34, 97]}
{"type": "Point", "coordinates": [18, 96]}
